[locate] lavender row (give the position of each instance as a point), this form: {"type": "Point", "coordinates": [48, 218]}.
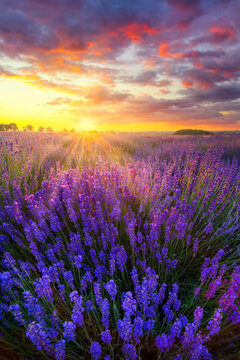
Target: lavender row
{"type": "Point", "coordinates": [131, 261]}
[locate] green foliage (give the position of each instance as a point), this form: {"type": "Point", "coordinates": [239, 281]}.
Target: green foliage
{"type": "Point", "coordinates": [192, 132]}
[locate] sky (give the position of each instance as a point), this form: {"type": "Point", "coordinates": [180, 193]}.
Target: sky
{"type": "Point", "coordinates": [140, 65]}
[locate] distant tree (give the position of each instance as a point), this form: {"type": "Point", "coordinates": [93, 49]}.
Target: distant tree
{"type": "Point", "coordinates": [41, 129]}
{"type": "Point", "coordinates": [28, 128]}
{"type": "Point", "coordinates": [7, 127]}
{"type": "Point", "coordinates": [73, 130]}
{"type": "Point", "coordinates": [13, 127]}
{"type": "Point", "coordinates": [49, 129]}
{"type": "Point", "coordinates": [65, 130]}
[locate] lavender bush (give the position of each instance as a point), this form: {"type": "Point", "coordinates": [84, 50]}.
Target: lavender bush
{"type": "Point", "coordinates": [130, 256]}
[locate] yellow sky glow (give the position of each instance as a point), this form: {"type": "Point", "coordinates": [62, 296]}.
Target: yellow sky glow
{"type": "Point", "coordinates": [25, 103]}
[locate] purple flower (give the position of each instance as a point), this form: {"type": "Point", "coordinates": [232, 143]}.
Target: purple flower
{"type": "Point", "coordinates": [176, 328]}
{"type": "Point", "coordinates": [195, 246]}
{"type": "Point", "coordinates": [161, 293]}
{"type": "Point", "coordinates": [61, 289]}
{"type": "Point", "coordinates": [105, 313]}
{"type": "Point", "coordinates": [89, 306]}
{"type": "Point", "coordinates": [162, 342]}
{"type": "Point", "coordinates": [97, 293]}
{"type": "Point", "coordinates": [129, 304]}
{"type": "Point", "coordinates": [188, 336]}
{"type": "Point", "coordinates": [198, 314]}
{"type": "Point", "coordinates": [234, 314]}
{"type": "Point", "coordinates": [70, 279]}
{"type": "Point", "coordinates": [60, 350]}
{"type": "Point", "coordinates": [125, 329]}
{"type": "Point", "coordinates": [52, 333]}
{"type": "Point", "coordinates": [213, 286]}
{"type": "Point", "coordinates": [38, 336]}
{"type": "Point", "coordinates": [88, 240]}
{"type": "Point", "coordinates": [214, 324]}
{"type": "Point", "coordinates": [43, 288]}
{"type": "Point", "coordinates": [53, 273]}
{"type": "Point", "coordinates": [54, 319]}
{"type": "Point", "coordinates": [102, 257]}
{"type": "Point", "coordinates": [8, 260]}
{"type": "Point", "coordinates": [120, 255]}
{"type": "Point", "coordinates": [165, 252]}
{"type": "Point", "coordinates": [106, 337]}
{"type": "Point", "coordinates": [227, 299]}
{"type": "Point", "coordinates": [87, 278]}
{"type": "Point", "coordinates": [111, 288]}
{"type": "Point", "coordinates": [78, 261]}
{"type": "Point", "coordinates": [171, 264]}
{"type": "Point", "coordinates": [111, 265]}
{"type": "Point", "coordinates": [148, 325]}
{"type": "Point", "coordinates": [208, 229]}
{"type": "Point", "coordinates": [99, 272]}
{"type": "Point", "coordinates": [134, 276]}
{"type": "Point", "coordinates": [17, 314]}
{"type": "Point", "coordinates": [188, 239]}
{"type": "Point", "coordinates": [168, 312]}
{"type": "Point", "coordinates": [197, 291]}
{"type": "Point", "coordinates": [50, 255]}
{"type": "Point", "coordinates": [69, 330]}
{"type": "Point", "coordinates": [74, 296]}
{"type": "Point", "coordinates": [95, 350]}
{"type": "Point", "coordinates": [138, 329]}
{"type": "Point", "coordinates": [78, 308]}
{"type": "Point", "coordinates": [130, 351]}
{"type": "Point", "coordinates": [172, 297]}
{"type": "Point", "coordinates": [33, 306]}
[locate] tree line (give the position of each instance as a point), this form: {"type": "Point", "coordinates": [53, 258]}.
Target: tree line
{"type": "Point", "coordinates": [8, 127]}
{"type": "Point", "coordinates": [28, 128]}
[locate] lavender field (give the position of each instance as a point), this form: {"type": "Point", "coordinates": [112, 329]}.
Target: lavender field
{"type": "Point", "coordinates": [119, 246]}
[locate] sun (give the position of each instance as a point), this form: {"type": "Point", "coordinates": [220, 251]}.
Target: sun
{"type": "Point", "coordinates": [87, 124]}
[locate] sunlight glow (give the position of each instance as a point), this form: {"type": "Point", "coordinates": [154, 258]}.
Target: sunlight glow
{"type": "Point", "coordinates": [86, 125]}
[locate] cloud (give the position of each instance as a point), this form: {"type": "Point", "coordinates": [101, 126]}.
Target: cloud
{"type": "Point", "coordinates": [97, 53]}
{"type": "Point", "coordinates": [101, 95]}
{"type": "Point", "coordinates": [220, 34]}
{"type": "Point", "coordinates": [148, 78]}
{"type": "Point", "coordinates": [59, 101]}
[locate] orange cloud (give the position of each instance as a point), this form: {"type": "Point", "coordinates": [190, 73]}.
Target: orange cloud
{"type": "Point", "coordinates": [187, 83]}
{"type": "Point", "coordinates": [228, 75]}
{"type": "Point", "coordinates": [221, 33]}
{"type": "Point", "coordinates": [134, 31]}
{"type": "Point", "coordinates": [150, 63]}
{"type": "Point", "coordinates": [98, 48]}
{"type": "Point", "coordinates": [165, 53]}
{"type": "Point", "coordinates": [213, 71]}
{"type": "Point", "coordinates": [198, 65]}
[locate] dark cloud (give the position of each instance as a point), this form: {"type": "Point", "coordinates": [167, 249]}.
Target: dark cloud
{"type": "Point", "coordinates": [150, 78]}
{"type": "Point", "coordinates": [194, 99]}
{"type": "Point", "coordinates": [22, 32]}
{"type": "Point", "coordinates": [184, 4]}
{"type": "Point", "coordinates": [218, 94]}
